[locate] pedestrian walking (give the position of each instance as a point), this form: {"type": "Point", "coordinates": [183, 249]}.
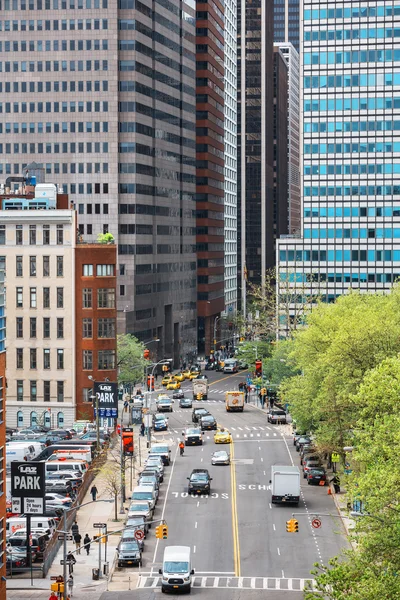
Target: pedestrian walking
{"type": "Point", "coordinates": [70, 584]}
{"type": "Point", "coordinates": [71, 561]}
{"type": "Point", "coordinates": [336, 483]}
{"type": "Point", "coordinates": [94, 492]}
{"type": "Point", "coordinates": [77, 540]}
{"type": "Point", "coordinates": [74, 528]}
{"type": "Point", "coordinates": [53, 596]}
{"type": "Point", "coordinates": [142, 428]}
{"type": "Point", "coordinates": [245, 395]}
{"type": "Point", "coordinates": [86, 541]}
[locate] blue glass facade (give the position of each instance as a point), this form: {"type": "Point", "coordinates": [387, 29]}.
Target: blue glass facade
{"type": "Point", "coordinates": [351, 150]}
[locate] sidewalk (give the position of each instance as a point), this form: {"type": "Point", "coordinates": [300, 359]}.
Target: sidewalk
{"type": "Point", "coordinates": [95, 512]}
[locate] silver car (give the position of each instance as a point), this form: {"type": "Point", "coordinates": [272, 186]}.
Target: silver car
{"type": "Point", "coordinates": [220, 457]}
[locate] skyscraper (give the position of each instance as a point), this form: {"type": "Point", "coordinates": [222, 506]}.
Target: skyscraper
{"type": "Point", "coordinates": [230, 110]}
{"type": "Point", "coordinates": [210, 161]}
{"type": "Point", "coordinates": [287, 22]}
{"type": "Point", "coordinates": [351, 100]}
{"type": "Point", "coordinates": [255, 143]}
{"type": "Point", "coordinates": [103, 95]}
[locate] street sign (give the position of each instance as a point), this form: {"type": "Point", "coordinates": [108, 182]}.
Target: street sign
{"type": "Point", "coordinates": [100, 525]}
{"type": "Point", "coordinates": [65, 562]}
{"type": "Point", "coordinates": [68, 537]}
{"type": "Point", "coordinates": [139, 534]}
{"type": "Point", "coordinates": [316, 523]}
{"type": "Point", "coordinates": [106, 395]}
{"type": "Point", "coordinates": [16, 505]}
{"type": "Point", "coordinates": [28, 483]}
{"type": "Point", "coordinates": [58, 578]}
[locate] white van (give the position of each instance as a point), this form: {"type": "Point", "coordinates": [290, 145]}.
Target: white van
{"type": "Point", "coordinates": [231, 366]}
{"type": "Point", "coordinates": [36, 447]}
{"type": "Point", "coordinates": [177, 569]}
{"type": "Point", "coordinates": [73, 454]}
{"type": "Point", "coordinates": [43, 522]}
{"type": "Point", "coordinates": [142, 492]}
{"type": "Point", "coordinates": [63, 465]}
{"type": "Point", "coordinates": [19, 452]}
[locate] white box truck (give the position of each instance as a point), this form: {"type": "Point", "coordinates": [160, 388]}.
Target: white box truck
{"type": "Point", "coordinates": [285, 485]}
{"type": "Point", "coordinates": [234, 401]}
{"type": "Point", "coordinates": [200, 388]}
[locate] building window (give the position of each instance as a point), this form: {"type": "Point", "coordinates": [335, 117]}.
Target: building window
{"type": "Point", "coordinates": [33, 420]}
{"type": "Point", "coordinates": [20, 390]}
{"type": "Point", "coordinates": [87, 394]}
{"type": "Point", "coordinates": [60, 328]}
{"type": "Point", "coordinates": [105, 270]}
{"type": "Point", "coordinates": [122, 290]}
{"type": "Point", "coordinates": [32, 297]}
{"type": "Point", "coordinates": [32, 235]}
{"type": "Point", "coordinates": [46, 328]}
{"type": "Point", "coordinates": [33, 391]}
{"type": "Point", "coordinates": [20, 327]}
{"type": "Point", "coordinates": [33, 358]}
{"type": "Point", "coordinates": [32, 328]}
{"type": "Point", "coordinates": [87, 298]}
{"type": "Point", "coordinates": [88, 360]}
{"type": "Point", "coordinates": [2, 235]}
{"type": "Point", "coordinates": [60, 266]}
{"type": "Point", "coordinates": [60, 297]}
{"type": "Point", "coordinates": [46, 235]}
{"type": "Point", "coordinates": [60, 415]}
{"type": "Point", "coordinates": [20, 295]}
{"type": "Point", "coordinates": [60, 235]}
{"type": "Point", "coordinates": [106, 328]}
{"type": "Point", "coordinates": [19, 271]}
{"type": "Point", "coordinates": [46, 297]}
{"type": "Point", "coordinates": [60, 358]}
{"type": "Point", "coordinates": [20, 418]}
{"type": "Point", "coordinates": [46, 266]}
{"type": "Point", "coordinates": [46, 395]}
{"type": "Point", "coordinates": [106, 298]}
{"type": "Point", "coordinates": [106, 359]}
{"type": "Point", "coordinates": [32, 266]}
{"type": "Point", "coordinates": [88, 270]}
{"type": "Point", "coordinates": [87, 328]}
{"type": "Point", "coordinates": [18, 235]}
{"type": "Point", "coordinates": [20, 358]}
{"type": "Point", "coordinates": [46, 358]}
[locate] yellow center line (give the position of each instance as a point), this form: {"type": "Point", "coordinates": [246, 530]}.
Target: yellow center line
{"type": "Point", "coordinates": [235, 524]}
{"type": "Point", "coordinates": [227, 377]}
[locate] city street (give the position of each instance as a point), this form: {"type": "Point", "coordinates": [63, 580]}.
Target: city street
{"type": "Point", "coordinates": [238, 539]}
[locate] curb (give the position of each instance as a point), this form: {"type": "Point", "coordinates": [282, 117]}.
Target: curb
{"type": "Point", "coordinates": [344, 519]}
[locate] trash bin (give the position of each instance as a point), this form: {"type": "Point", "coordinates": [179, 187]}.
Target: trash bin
{"type": "Point", "coordinates": [95, 574]}
{"type": "Point", "coordinates": [105, 569]}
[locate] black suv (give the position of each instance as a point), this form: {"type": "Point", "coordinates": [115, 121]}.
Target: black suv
{"type": "Point", "coordinates": [199, 481]}
{"type": "Point", "coordinates": [198, 413]}
{"type": "Point", "coordinates": [208, 423]}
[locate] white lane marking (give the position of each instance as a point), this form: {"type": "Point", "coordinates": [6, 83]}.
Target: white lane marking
{"type": "Point", "coordinates": [202, 449]}
{"type": "Point", "coordinates": [283, 574]}
{"type": "Point", "coordinates": [251, 435]}
{"type": "Point", "coordinates": [155, 582]}
{"type": "Point", "coordinates": [198, 503]}
{"type": "Point", "coordinates": [233, 428]}
{"type": "Point", "coordinates": [258, 434]}
{"type": "Point", "coordinates": [237, 435]}
{"type": "Point", "coordinates": [194, 549]}
{"type": "Point", "coordinates": [279, 552]}
{"type": "Point", "coordinates": [265, 583]}
{"type": "Point", "coordinates": [165, 503]}
{"type": "Point", "coordinates": [278, 584]}
{"type": "Point", "coordinates": [270, 505]}
{"type": "Point", "coordinates": [262, 460]}
{"type": "Point", "coordinates": [241, 428]}
{"type": "Point", "coordinates": [273, 525]}
{"type": "Point", "coordinates": [264, 472]}
{"type": "Point", "coordinates": [290, 584]}
{"type": "Point", "coordinates": [262, 428]}
{"type": "Point", "coordinates": [201, 460]}
{"type": "Point", "coordinates": [253, 582]}
{"type": "Point", "coordinates": [216, 582]}
{"type": "Point", "coordinates": [270, 428]}
{"type": "Point", "coordinates": [248, 428]}
{"type": "Point", "coordinates": [259, 447]}
{"type": "Point", "coordinates": [195, 525]}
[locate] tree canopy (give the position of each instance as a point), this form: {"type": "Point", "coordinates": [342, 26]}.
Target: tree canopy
{"type": "Point", "coordinates": [131, 362]}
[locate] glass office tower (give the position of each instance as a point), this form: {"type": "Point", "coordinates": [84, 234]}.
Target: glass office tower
{"type": "Point", "coordinates": [287, 22]}
{"type": "Point", "coordinates": [351, 143]}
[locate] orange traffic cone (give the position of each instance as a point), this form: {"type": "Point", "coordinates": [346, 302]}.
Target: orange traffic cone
{"type": "Point", "coordinates": [329, 491]}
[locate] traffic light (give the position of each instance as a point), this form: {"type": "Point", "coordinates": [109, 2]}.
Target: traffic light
{"type": "Point", "coordinates": [159, 532]}
{"type": "Point", "coordinates": [199, 396]}
{"type": "Point", "coordinates": [292, 526]}
{"type": "Point", "coordinates": [258, 367]}
{"type": "Point", "coordinates": [146, 354]}
{"type": "Point", "coordinates": [164, 531]}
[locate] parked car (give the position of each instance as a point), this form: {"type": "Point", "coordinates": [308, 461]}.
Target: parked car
{"type": "Point", "coordinates": [297, 435]}
{"type": "Point", "coordinates": [128, 535]}
{"type": "Point", "coordinates": [301, 442]}
{"type": "Point", "coordinates": [129, 553]}
{"type": "Point", "coordinates": [308, 465]}
{"type": "Point", "coordinates": [152, 472]}
{"type": "Point", "coordinates": [149, 479]}
{"type": "Point", "coordinates": [317, 476]}
{"type": "Point", "coordinates": [134, 523]}
{"type": "Point", "coordinates": [141, 509]}
{"type": "Point", "coordinates": [16, 560]}
{"type": "Point", "coordinates": [276, 416]}
{"type": "Point", "coordinates": [242, 364]}
{"type": "Point", "coordinates": [38, 544]}
{"type": "Point", "coordinates": [57, 500]}
{"type": "Point", "coordinates": [199, 481]}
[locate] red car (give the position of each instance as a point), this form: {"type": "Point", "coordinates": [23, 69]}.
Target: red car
{"type": "Point", "coordinates": [316, 476]}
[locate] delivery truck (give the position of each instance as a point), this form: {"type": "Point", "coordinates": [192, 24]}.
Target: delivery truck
{"type": "Point", "coordinates": [285, 485]}
{"type": "Point", "coordinates": [234, 401]}
{"type": "Point", "coordinates": [200, 389]}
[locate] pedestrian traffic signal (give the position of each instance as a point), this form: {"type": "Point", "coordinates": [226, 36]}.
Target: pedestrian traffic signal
{"type": "Point", "coordinates": [292, 526]}
{"type": "Point", "coordinates": [146, 354]}
{"type": "Point", "coordinates": [159, 532]}
{"type": "Point", "coordinates": [164, 531]}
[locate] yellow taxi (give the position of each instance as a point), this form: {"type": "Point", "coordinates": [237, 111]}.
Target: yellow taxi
{"type": "Point", "coordinates": [173, 385]}
{"type": "Point", "coordinates": [179, 377]}
{"type": "Point", "coordinates": [222, 436]}
{"type": "Point", "coordinates": [193, 375]}
{"type": "Point", "coordinates": [186, 373]}
{"type": "Point", "coordinates": [167, 379]}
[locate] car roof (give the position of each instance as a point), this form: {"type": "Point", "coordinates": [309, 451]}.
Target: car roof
{"type": "Point", "coordinates": [177, 553]}
{"type": "Point", "coordinates": [200, 471]}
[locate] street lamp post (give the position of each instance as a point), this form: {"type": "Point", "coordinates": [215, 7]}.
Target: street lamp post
{"type": "Point", "coordinates": [97, 415]}
{"type": "Point", "coordinates": [165, 361]}
{"type": "Point", "coordinates": [215, 333]}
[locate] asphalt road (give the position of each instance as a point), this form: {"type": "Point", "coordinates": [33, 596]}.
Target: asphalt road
{"type": "Point", "coordinates": [240, 547]}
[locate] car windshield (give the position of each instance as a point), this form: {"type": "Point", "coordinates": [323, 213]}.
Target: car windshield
{"type": "Point", "coordinates": [208, 418]}
{"type": "Point", "coordinates": [278, 412]}
{"type": "Point", "coordinates": [317, 471]}
{"type": "Point", "coordinates": [199, 477]}
{"type": "Point", "coordinates": [142, 495]}
{"type": "Point", "coordinates": [130, 546]}
{"type": "Point", "coordinates": [159, 449]}
{"type": "Point", "coordinates": [193, 432]}
{"type": "Point", "coordinates": [176, 567]}
{"type": "Point", "coordinates": [220, 454]}
{"type": "Point", "coordinates": [139, 507]}
{"type": "Point", "coordinates": [159, 417]}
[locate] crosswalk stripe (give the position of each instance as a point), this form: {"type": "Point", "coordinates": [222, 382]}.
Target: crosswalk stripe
{"type": "Point", "coordinates": [203, 581]}
{"type": "Point", "coordinates": [240, 582]}
{"type": "Point", "coordinates": [253, 583]}
{"type": "Point", "coordinates": [266, 583]}
{"type": "Point", "coordinates": [216, 582]}
{"type": "Point", "coordinates": [155, 582]}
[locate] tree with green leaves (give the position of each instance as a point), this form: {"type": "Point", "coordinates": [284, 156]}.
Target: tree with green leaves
{"type": "Point", "coordinates": [131, 362]}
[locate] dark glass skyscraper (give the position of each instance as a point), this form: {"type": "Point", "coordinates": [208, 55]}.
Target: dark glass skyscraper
{"type": "Point", "coordinates": [287, 22]}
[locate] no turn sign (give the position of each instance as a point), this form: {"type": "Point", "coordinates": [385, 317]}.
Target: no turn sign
{"type": "Point", "coordinates": [316, 523]}
{"type": "Point", "coordinates": [139, 534]}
